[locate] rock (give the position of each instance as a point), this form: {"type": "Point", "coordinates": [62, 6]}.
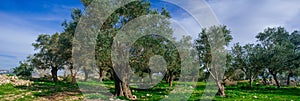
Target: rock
{"type": "Point", "coordinates": [60, 79]}
{"type": "Point", "coordinates": [134, 97]}
{"type": "Point", "coordinates": [14, 80]}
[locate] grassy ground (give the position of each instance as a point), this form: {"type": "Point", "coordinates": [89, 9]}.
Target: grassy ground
{"type": "Point", "coordinates": [41, 90]}
{"type": "Point", "coordinates": [261, 93]}
{"type": "Point", "coordinates": [46, 90]}
{"type": "Point", "coordinates": [238, 93]}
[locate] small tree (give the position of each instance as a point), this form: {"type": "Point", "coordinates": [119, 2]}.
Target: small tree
{"type": "Point", "coordinates": [24, 70]}
{"type": "Point", "coordinates": [248, 58]}
{"type": "Point", "coordinates": [277, 49]}
{"type": "Point", "coordinates": [209, 43]}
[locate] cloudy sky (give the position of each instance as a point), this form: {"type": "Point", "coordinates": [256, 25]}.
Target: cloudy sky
{"type": "Point", "coordinates": [21, 21]}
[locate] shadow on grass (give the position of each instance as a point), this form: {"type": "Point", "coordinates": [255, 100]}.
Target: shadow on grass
{"type": "Point", "coordinates": [51, 90]}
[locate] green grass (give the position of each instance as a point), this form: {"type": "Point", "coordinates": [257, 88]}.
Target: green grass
{"type": "Point", "coordinates": [9, 92]}
{"type": "Point", "coordinates": [238, 93]}
{"type": "Point", "coordinates": [40, 89]}
{"type": "Point", "coordinates": [50, 90]}
{"type": "Point", "coordinates": [259, 93]}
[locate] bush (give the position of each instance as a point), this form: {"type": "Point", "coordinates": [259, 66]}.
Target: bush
{"type": "Point", "coordinates": [24, 70]}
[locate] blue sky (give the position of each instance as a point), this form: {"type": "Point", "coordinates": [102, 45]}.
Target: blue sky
{"type": "Point", "coordinates": [21, 21]}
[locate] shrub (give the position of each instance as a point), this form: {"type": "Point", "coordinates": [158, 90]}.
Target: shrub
{"type": "Point", "coordinates": [24, 70]}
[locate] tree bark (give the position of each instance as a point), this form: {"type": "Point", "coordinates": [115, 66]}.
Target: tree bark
{"type": "Point", "coordinates": [221, 91]}
{"type": "Point", "coordinates": [54, 74]}
{"type": "Point", "coordinates": [276, 80]}
{"type": "Point", "coordinates": [167, 78]}
{"type": "Point", "coordinates": [193, 79]}
{"type": "Point", "coordinates": [150, 76]}
{"type": "Point", "coordinates": [73, 75]}
{"type": "Point", "coordinates": [86, 74]}
{"type": "Point", "coordinates": [73, 79]}
{"type": "Point", "coordinates": [251, 82]}
{"type": "Point", "coordinates": [171, 78]}
{"type": "Point", "coordinates": [264, 81]}
{"type": "Point", "coordinates": [288, 82]}
{"type": "Point", "coordinates": [102, 74]}
{"type": "Point", "coordinates": [121, 88]}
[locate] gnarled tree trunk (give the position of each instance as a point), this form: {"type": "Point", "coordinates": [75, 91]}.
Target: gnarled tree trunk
{"type": "Point", "coordinates": [288, 82]}
{"type": "Point", "coordinates": [167, 78]}
{"type": "Point", "coordinates": [276, 80]}
{"type": "Point", "coordinates": [171, 78]}
{"type": "Point", "coordinates": [265, 81]}
{"type": "Point", "coordinates": [150, 76]}
{"type": "Point", "coordinates": [54, 74]}
{"type": "Point", "coordinates": [251, 82]}
{"type": "Point", "coordinates": [73, 74]}
{"type": "Point", "coordinates": [86, 73]}
{"type": "Point", "coordinates": [121, 88]}
{"type": "Point", "coordinates": [221, 90]}
{"type": "Point", "coordinates": [102, 74]}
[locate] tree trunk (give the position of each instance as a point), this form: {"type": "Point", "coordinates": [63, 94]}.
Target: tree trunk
{"type": "Point", "coordinates": [275, 78]}
{"type": "Point", "coordinates": [288, 82]}
{"type": "Point", "coordinates": [54, 74]}
{"type": "Point", "coordinates": [73, 79]}
{"type": "Point", "coordinates": [102, 74]}
{"type": "Point", "coordinates": [193, 79]}
{"type": "Point", "coordinates": [171, 78]}
{"type": "Point", "coordinates": [167, 78]}
{"type": "Point", "coordinates": [150, 76]}
{"type": "Point", "coordinates": [121, 88]}
{"type": "Point", "coordinates": [111, 71]}
{"type": "Point", "coordinates": [86, 74]}
{"type": "Point", "coordinates": [264, 81]}
{"type": "Point", "coordinates": [251, 82]}
{"type": "Point", "coordinates": [65, 73]}
{"type": "Point", "coordinates": [73, 75]}
{"type": "Point", "coordinates": [276, 81]}
{"type": "Point", "coordinates": [221, 90]}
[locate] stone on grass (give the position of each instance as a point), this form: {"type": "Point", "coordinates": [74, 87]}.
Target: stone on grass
{"type": "Point", "coordinates": [14, 80]}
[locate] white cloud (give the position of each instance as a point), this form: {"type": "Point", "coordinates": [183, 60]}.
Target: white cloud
{"type": "Point", "coordinates": [20, 29]}
{"type": "Point", "coordinates": [17, 35]}
{"type": "Point", "coordinates": [246, 18]}
{"type": "Point", "coordinates": [188, 27]}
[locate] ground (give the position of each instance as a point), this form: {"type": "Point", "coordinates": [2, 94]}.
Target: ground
{"type": "Point", "coordinates": [47, 90]}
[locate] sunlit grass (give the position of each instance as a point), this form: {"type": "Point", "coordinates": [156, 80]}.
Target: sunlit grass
{"type": "Point", "coordinates": [160, 91]}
